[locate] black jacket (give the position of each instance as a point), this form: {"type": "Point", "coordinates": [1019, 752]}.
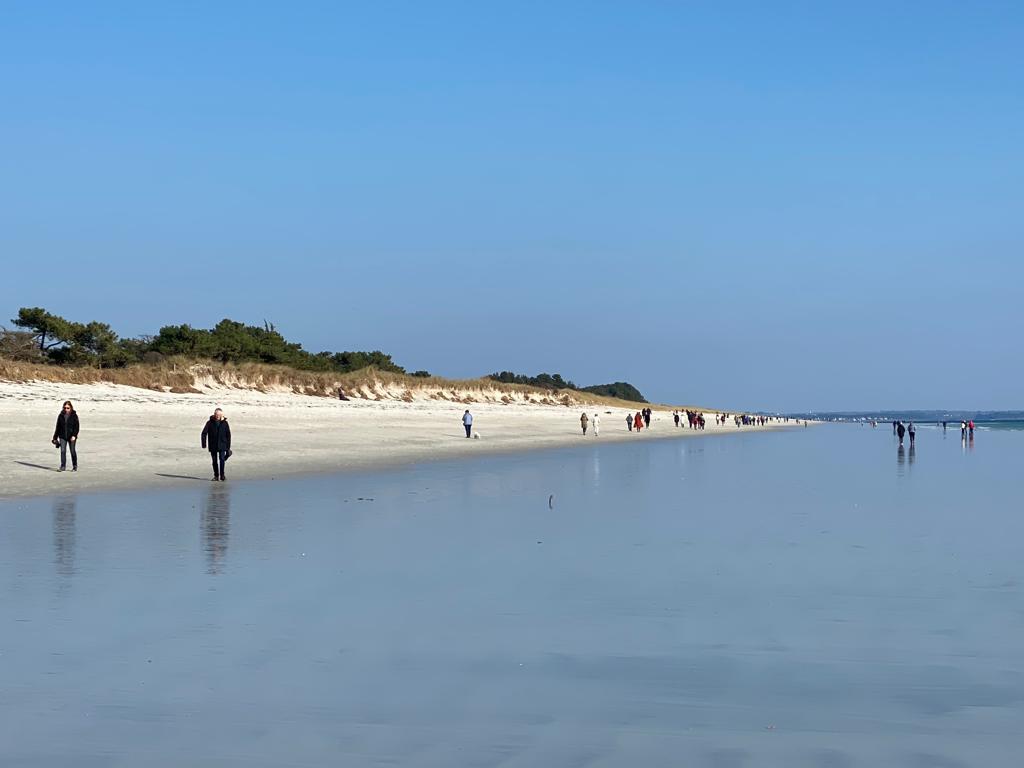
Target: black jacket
{"type": "Point", "coordinates": [217, 435]}
{"type": "Point", "coordinates": [66, 428]}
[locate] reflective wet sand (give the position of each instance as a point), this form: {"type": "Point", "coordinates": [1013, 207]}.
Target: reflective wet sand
{"type": "Point", "coordinates": [808, 598]}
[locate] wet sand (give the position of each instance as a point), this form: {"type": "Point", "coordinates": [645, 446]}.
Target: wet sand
{"type": "Point", "coordinates": [805, 599]}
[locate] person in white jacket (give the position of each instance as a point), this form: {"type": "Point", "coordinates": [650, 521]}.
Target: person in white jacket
{"type": "Point", "coordinates": [596, 424]}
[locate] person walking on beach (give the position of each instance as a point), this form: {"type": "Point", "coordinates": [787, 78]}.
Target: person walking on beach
{"type": "Point", "coordinates": [596, 421]}
{"type": "Point", "coordinates": [963, 429]}
{"type": "Point", "coordinates": [217, 435]}
{"type": "Point", "coordinates": [675, 417]}
{"type": "Point", "coordinates": [970, 429]}
{"type": "Point", "coordinates": [467, 422]}
{"type": "Point", "coordinates": [638, 421]}
{"type": "Point", "coordinates": [900, 429]}
{"type": "Point", "coordinates": [629, 422]}
{"type": "Point", "coordinates": [65, 435]}
{"type": "Point", "coordinates": [583, 424]}
{"type": "Point", "coordinates": [913, 433]}
{"type": "Point", "coordinates": [647, 417]}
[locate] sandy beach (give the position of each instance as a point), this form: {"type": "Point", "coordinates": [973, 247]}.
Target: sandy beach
{"type": "Point", "coordinates": [137, 438]}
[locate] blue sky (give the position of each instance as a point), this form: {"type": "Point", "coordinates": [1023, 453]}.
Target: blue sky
{"type": "Point", "coordinates": [753, 205]}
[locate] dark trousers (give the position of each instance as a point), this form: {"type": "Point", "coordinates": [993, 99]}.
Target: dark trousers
{"type": "Point", "coordinates": [218, 458]}
{"type": "Point", "coordinates": [469, 429]}
{"type": "Point", "coordinates": [64, 445]}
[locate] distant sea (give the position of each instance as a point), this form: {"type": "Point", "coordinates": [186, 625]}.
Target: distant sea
{"type": "Point", "coordinates": [1004, 424]}
{"type": "Point", "coordinates": [982, 419]}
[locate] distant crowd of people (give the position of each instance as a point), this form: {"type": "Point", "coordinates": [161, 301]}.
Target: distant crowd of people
{"type": "Point", "coordinates": [639, 420]}
{"type": "Point", "coordinates": [901, 430]}
{"type": "Point", "coordinates": [686, 418]}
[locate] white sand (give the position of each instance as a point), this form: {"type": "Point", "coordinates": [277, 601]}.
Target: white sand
{"type": "Point", "coordinates": [136, 438]}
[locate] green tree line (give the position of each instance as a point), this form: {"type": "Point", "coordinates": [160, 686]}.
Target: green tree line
{"type": "Point", "coordinates": [48, 337]}
{"type": "Point", "coordinates": [619, 389]}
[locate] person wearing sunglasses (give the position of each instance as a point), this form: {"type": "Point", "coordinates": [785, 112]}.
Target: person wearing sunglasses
{"type": "Point", "coordinates": [65, 436]}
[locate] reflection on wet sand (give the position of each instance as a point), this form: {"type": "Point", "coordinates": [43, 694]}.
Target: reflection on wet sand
{"type": "Point", "coordinates": [64, 535]}
{"type": "Point", "coordinates": [214, 525]}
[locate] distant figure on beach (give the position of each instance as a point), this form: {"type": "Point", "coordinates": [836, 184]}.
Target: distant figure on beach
{"type": "Point", "coordinates": [913, 433]}
{"type": "Point", "coordinates": [970, 429]}
{"type": "Point", "coordinates": [675, 417]}
{"type": "Point", "coordinates": [629, 422]}
{"type": "Point", "coordinates": [467, 422]}
{"type": "Point", "coordinates": [65, 435]}
{"type": "Point", "coordinates": [647, 417]}
{"type": "Point", "coordinates": [963, 429]}
{"type": "Point", "coordinates": [943, 426]}
{"type": "Point", "coordinates": [341, 394]}
{"type": "Point", "coordinates": [900, 430]}
{"type": "Point", "coordinates": [638, 421]}
{"type": "Point", "coordinates": [894, 427]}
{"type": "Point", "coordinates": [596, 421]}
{"type": "Point", "coordinates": [583, 423]}
{"type": "Point", "coordinates": [217, 435]}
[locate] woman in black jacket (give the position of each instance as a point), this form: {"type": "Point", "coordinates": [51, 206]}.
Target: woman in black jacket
{"type": "Point", "coordinates": [66, 435]}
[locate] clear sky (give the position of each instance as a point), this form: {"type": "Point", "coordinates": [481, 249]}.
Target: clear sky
{"type": "Point", "coordinates": [754, 205]}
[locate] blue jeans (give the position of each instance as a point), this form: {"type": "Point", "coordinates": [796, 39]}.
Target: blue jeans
{"type": "Point", "coordinates": [218, 458]}
{"type": "Point", "coordinates": [64, 445]}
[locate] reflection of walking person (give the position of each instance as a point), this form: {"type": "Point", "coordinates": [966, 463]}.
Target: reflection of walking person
{"type": "Point", "coordinates": [215, 521]}
{"type": "Point", "coordinates": [65, 435]}
{"type": "Point", "coordinates": [597, 425]}
{"type": "Point", "coordinates": [467, 422]}
{"type": "Point", "coordinates": [217, 435]}
{"type": "Point", "coordinates": [583, 424]}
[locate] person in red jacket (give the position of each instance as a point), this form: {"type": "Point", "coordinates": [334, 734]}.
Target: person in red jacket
{"type": "Point", "coordinates": [638, 421]}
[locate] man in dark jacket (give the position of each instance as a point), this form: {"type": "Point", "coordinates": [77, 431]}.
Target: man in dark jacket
{"type": "Point", "coordinates": [65, 435]}
{"type": "Point", "coordinates": [217, 435]}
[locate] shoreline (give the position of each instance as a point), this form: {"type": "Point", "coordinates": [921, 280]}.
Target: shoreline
{"type": "Point", "coordinates": [134, 439]}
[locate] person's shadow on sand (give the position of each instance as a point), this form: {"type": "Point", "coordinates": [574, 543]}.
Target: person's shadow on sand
{"type": "Point", "coordinates": [37, 466]}
{"type": "Point", "coordinates": [179, 477]}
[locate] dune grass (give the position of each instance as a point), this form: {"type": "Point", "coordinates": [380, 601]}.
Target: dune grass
{"type": "Point", "coordinates": [182, 375]}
